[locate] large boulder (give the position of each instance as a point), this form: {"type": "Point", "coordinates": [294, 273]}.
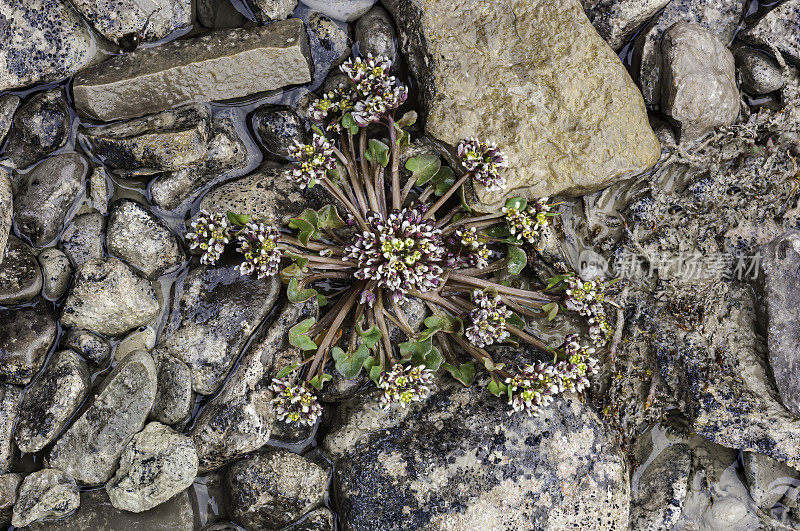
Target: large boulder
{"type": "Point", "coordinates": [542, 84]}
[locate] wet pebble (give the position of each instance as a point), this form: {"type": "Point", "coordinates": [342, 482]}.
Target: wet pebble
{"type": "Point", "coordinates": [759, 73]}
{"type": "Point", "coordinates": [375, 34]}
{"type": "Point", "coordinates": [278, 128]}
{"type": "Point", "coordinates": [174, 396]}
{"type": "Point", "coordinates": [343, 10]}
{"type": "Point", "coordinates": [56, 272]}
{"type": "Point", "coordinates": [780, 27]}
{"type": "Point", "coordinates": [320, 519]}
{"type": "Point", "coordinates": [6, 209]}
{"type": "Point", "coordinates": [94, 348]}
{"type": "Point", "coordinates": [9, 483]}
{"type": "Point", "coordinates": [328, 41]}
{"type": "Point", "coordinates": [40, 126]}
{"type": "Point", "coordinates": [82, 240]}
{"type": "Point", "coordinates": [768, 480]}
{"type": "Point", "coordinates": [143, 338]}
{"type": "Point", "coordinates": [118, 20]}
{"type": "Point", "coordinates": [47, 493]}
{"type": "Point", "coordinates": [8, 104]}
{"type": "Point", "coordinates": [26, 335]}
{"type": "Point", "coordinates": [98, 190]}
{"type": "Point", "coordinates": [10, 400]}
{"type": "Point", "coordinates": [20, 274]}
{"type": "Point", "coordinates": [274, 9]}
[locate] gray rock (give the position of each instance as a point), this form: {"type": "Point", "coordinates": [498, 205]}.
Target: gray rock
{"type": "Point", "coordinates": [414, 312]}
{"type": "Point", "coordinates": [216, 14]}
{"type": "Point", "coordinates": [98, 190]}
{"type": "Point", "coordinates": [10, 400]}
{"type": "Point", "coordinates": [109, 298]}
{"type": "Point", "coordinates": [9, 483]}
{"type": "Point", "coordinates": [25, 337]}
{"type": "Point", "coordinates": [167, 141]}
{"type": "Point", "coordinates": [139, 238]}
{"type": "Point", "coordinates": [40, 126]}
{"type": "Point", "coordinates": [721, 17]}
{"type": "Point", "coordinates": [698, 86]}
{"type": "Point", "coordinates": [157, 464]}
{"type": "Point", "coordinates": [217, 66]}
{"type": "Point", "coordinates": [174, 397]}
{"type": "Point", "coordinates": [92, 347]}
{"type": "Point", "coordinates": [151, 21]}
{"type": "Point", "coordinates": [42, 40]}
{"type": "Point", "coordinates": [275, 487]}
{"type": "Point", "coordinates": [278, 128]}
{"type": "Point", "coordinates": [328, 41]}
{"type": "Point", "coordinates": [47, 493]}
{"type": "Point", "coordinates": [338, 389]}
{"type": "Point", "coordinates": [218, 310]}
{"type": "Point", "coordinates": [8, 104]}
{"type": "Point", "coordinates": [320, 519]}
{"type": "Point", "coordinates": [97, 513]}
{"type": "Point", "coordinates": [6, 209]}
{"type": "Point", "coordinates": [45, 199]}
{"type": "Point", "coordinates": [240, 418]}
{"type": "Point", "coordinates": [479, 467]}
{"type": "Point", "coordinates": [375, 34]}
{"type": "Point", "coordinates": [82, 240]}
{"type": "Point", "coordinates": [51, 400]}
{"type": "Point", "coordinates": [343, 10]}
{"type": "Point", "coordinates": [274, 9]}
{"type": "Point", "coordinates": [143, 338]}
{"type": "Point", "coordinates": [780, 28]}
{"type": "Point", "coordinates": [227, 153]}
{"type": "Point", "coordinates": [90, 449]}
{"type": "Point", "coordinates": [768, 480]}
{"type": "Point", "coordinates": [546, 55]}
{"type": "Point", "coordinates": [759, 73]}
{"type": "Point", "coordinates": [617, 20]}
{"type": "Point", "coordinates": [20, 275]}
{"type": "Point", "coordinates": [56, 272]}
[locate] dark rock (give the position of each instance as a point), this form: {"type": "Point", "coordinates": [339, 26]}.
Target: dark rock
{"type": "Point", "coordinates": [219, 14]}
{"type": "Point", "coordinates": [40, 126]}
{"type": "Point", "coordinates": [116, 20]}
{"type": "Point", "coordinates": [20, 275]}
{"type": "Point", "coordinates": [328, 41]}
{"type": "Point", "coordinates": [51, 400]}
{"type": "Point", "coordinates": [6, 209]}
{"type": "Point", "coordinates": [174, 397]}
{"type": "Point", "coordinates": [91, 346]}
{"type": "Point", "coordinates": [268, 10]}
{"type": "Point", "coordinates": [56, 272]}
{"type": "Point", "coordinates": [10, 400]}
{"type": "Point", "coordinates": [759, 73]}
{"type": "Point", "coordinates": [47, 493]}
{"type": "Point", "coordinates": [8, 104]}
{"type": "Point", "coordinates": [780, 28]}
{"type": "Point", "coordinates": [278, 128]}
{"type": "Point", "coordinates": [376, 35]}
{"type": "Point", "coordinates": [9, 483]}
{"type": "Point", "coordinates": [47, 194]}
{"type": "Point", "coordinates": [25, 337]}
{"type": "Point", "coordinates": [82, 240]}
{"type": "Point", "coordinates": [617, 20]}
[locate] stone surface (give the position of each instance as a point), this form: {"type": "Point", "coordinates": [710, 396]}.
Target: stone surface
{"type": "Point", "coordinates": [277, 127]}
{"type": "Point", "coordinates": [174, 397]}
{"type": "Point", "coordinates": [139, 238]}
{"type": "Point", "coordinates": [320, 519]}
{"type": "Point", "coordinates": [218, 66]}
{"type": "Point", "coordinates": [227, 153]}
{"type": "Point", "coordinates": [91, 346]}
{"type": "Point", "coordinates": [768, 480]}
{"type": "Point", "coordinates": [479, 468]}
{"type": "Point", "coordinates": [40, 126]}
{"type": "Point", "coordinates": [8, 104]}
{"type": "Point", "coordinates": [42, 40]}
{"type": "Point", "coordinates": [328, 41]}
{"type": "Point", "coordinates": [51, 400]}
{"type": "Point", "coordinates": [6, 209]}
{"type": "Point", "coordinates": [47, 493]}
{"type": "Point", "coordinates": [698, 89]}
{"type": "Point", "coordinates": [759, 73]}
{"type": "Point", "coordinates": [274, 9]}
{"type": "Point", "coordinates": [166, 141]}
{"type": "Point", "coordinates": [779, 28]}
{"type": "Point", "coordinates": [545, 56]}
{"type": "Point", "coordinates": [90, 449]}
{"type": "Point", "coordinates": [375, 34]}
{"type": "Point", "coordinates": [150, 20]}
{"type": "Point", "coordinates": [10, 400]}
{"type": "Point", "coordinates": [82, 240]}
{"type": "Point", "coordinates": [98, 190]}
{"type": "Point", "coordinates": [343, 10]}
{"type": "Point", "coordinates": [216, 14]}
{"type": "Point", "coordinates": [216, 311]}
{"type": "Point", "coordinates": [275, 487]}
{"type": "Point", "coordinates": [143, 338]}
{"type": "Point", "coordinates": [46, 197]}
{"type": "Point", "coordinates": [20, 274]}
{"type": "Point", "coordinates": [9, 483]}
{"type": "Point", "coordinates": [109, 298]}
{"type": "Point", "coordinates": [240, 418]}
{"type": "Point", "coordinates": [157, 464]}
{"type": "Point", "coordinates": [25, 337]}
{"type": "Point", "coordinates": [617, 20]}
{"type": "Point", "coordinates": [56, 272]}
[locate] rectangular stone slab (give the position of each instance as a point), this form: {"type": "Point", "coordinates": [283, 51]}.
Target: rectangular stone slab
{"type": "Point", "coordinates": [218, 66]}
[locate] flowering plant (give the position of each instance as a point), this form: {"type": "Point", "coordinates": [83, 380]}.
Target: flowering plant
{"type": "Point", "coordinates": [407, 240]}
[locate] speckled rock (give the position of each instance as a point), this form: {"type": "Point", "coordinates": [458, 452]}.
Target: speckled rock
{"type": "Point", "coordinates": [167, 141]}
{"type": "Point", "coordinates": [157, 464]}
{"type": "Point", "coordinates": [275, 487]}
{"type": "Point", "coordinates": [343, 10]}
{"type": "Point", "coordinates": [8, 104]}
{"type": "Point", "coordinates": [375, 34]}
{"type": "Point", "coordinates": [274, 9]}
{"type": "Point", "coordinates": [9, 483]}
{"type": "Point", "coordinates": [139, 238]}
{"type": "Point", "coordinates": [215, 14]}
{"type": "Point", "coordinates": [779, 28]}
{"type": "Point", "coordinates": [56, 272]}
{"type": "Point", "coordinates": [218, 310]}
{"type": "Point", "coordinates": [10, 400]}
{"type": "Point", "coordinates": [767, 479]}
{"type": "Point", "coordinates": [6, 209]}
{"type": "Point", "coordinates": [25, 337]}
{"type": "Point", "coordinates": [91, 346]}
{"type": "Point", "coordinates": [320, 519]}
{"type": "Point", "coordinates": [227, 154]}
{"type": "Point", "coordinates": [174, 396]}
{"type": "Point", "coordinates": [90, 449]}
{"type": "Point", "coordinates": [546, 55]}
{"type": "Point", "coordinates": [51, 400]}
{"type": "Point", "coordinates": [152, 20]}
{"type": "Point", "coordinates": [109, 298]}
{"type": "Point", "coordinates": [759, 73]}
{"type": "Point", "coordinates": [82, 240]}
{"type": "Point", "coordinates": [98, 190]}
{"type": "Point", "coordinates": [240, 418]}
{"type": "Point", "coordinates": [62, 40]}
{"type": "Point", "coordinates": [47, 493]}
{"type": "Point", "coordinates": [479, 467]}
{"type": "Point", "coordinates": [278, 127]}
{"type": "Point", "coordinates": [617, 20]}
{"type": "Point", "coordinates": [40, 126]}
{"type": "Point", "coordinates": [143, 338]}
{"type": "Point", "coordinates": [327, 39]}
{"type": "Point", "coordinates": [20, 274]}
{"type": "Point", "coordinates": [698, 90]}
{"type": "Point", "coordinates": [46, 196]}
{"type": "Point", "coordinates": [216, 66]}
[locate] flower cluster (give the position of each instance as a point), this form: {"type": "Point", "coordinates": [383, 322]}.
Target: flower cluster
{"type": "Point", "coordinates": [488, 320]}
{"type": "Point", "coordinates": [294, 403]}
{"type": "Point", "coordinates": [572, 373]}
{"type": "Point", "coordinates": [209, 233]}
{"type": "Point", "coordinates": [402, 252]}
{"type": "Point", "coordinates": [378, 92]}
{"type": "Point", "coordinates": [528, 221]}
{"type": "Point", "coordinates": [586, 298]}
{"type": "Point", "coordinates": [314, 160]}
{"type": "Point", "coordinates": [340, 100]}
{"type": "Point", "coordinates": [474, 252]}
{"type": "Point", "coordinates": [259, 245]}
{"type": "Point", "coordinates": [405, 384]}
{"type": "Point", "coordinates": [484, 161]}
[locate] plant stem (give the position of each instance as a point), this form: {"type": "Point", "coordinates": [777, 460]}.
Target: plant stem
{"type": "Point", "coordinates": [438, 204]}
{"type": "Point", "coordinates": [541, 345]}
{"type": "Point", "coordinates": [387, 344]}
{"type": "Point", "coordinates": [396, 203]}
{"type": "Point", "coordinates": [323, 348]}
{"type": "Point", "coordinates": [472, 281]}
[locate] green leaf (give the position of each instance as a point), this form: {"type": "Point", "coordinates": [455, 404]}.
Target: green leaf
{"type": "Point", "coordinates": [556, 281]}
{"type": "Point", "coordinates": [293, 272]}
{"type": "Point", "coordinates": [498, 231]}
{"type": "Point", "coordinates": [517, 259]}
{"type": "Point", "coordinates": [349, 363]}
{"type": "Point", "coordinates": [423, 167]}
{"type": "Point", "coordinates": [370, 337]}
{"type": "Point", "coordinates": [318, 380]}
{"type": "Point", "coordinates": [497, 388]}
{"type": "Point", "coordinates": [377, 153]}
{"type": "Point", "coordinates": [411, 349]}
{"type": "Point", "coordinates": [328, 218]}
{"type": "Point", "coordinates": [307, 223]}
{"type": "Point", "coordinates": [433, 360]}
{"type": "Point", "coordinates": [240, 220]}
{"type": "Point", "coordinates": [375, 373]}
{"type": "Point", "coordinates": [349, 123]}
{"type": "Point", "coordinates": [465, 373]}
{"type": "Point", "coordinates": [286, 370]}
{"type": "Point", "coordinates": [408, 119]}
{"type": "Point", "coordinates": [322, 300]}
{"type": "Point", "coordinates": [551, 309]}
{"type": "Point", "coordinates": [298, 335]}
{"type": "Point", "coordinates": [317, 130]}
{"type": "Point", "coordinates": [294, 293]}
{"type": "Point", "coordinates": [443, 180]}
{"type": "Point", "coordinates": [517, 202]}
{"type": "Point", "coordinates": [516, 321]}
{"type": "Point", "coordinates": [370, 362]}
{"type": "Point", "coordinates": [299, 259]}
{"type": "Point", "coordinates": [429, 333]}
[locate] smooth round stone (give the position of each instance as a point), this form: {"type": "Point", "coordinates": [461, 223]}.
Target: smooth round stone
{"type": "Point", "coordinates": [26, 335]}
{"type": "Point", "coordinates": [91, 346]}
{"type": "Point", "coordinates": [56, 271]}
{"type": "Point", "coordinates": [376, 35]}
{"type": "Point", "coordinates": [20, 275]}
{"type": "Point", "coordinates": [344, 10]}
{"type": "Point", "coordinates": [278, 128]}
{"type": "Point", "coordinates": [759, 73]}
